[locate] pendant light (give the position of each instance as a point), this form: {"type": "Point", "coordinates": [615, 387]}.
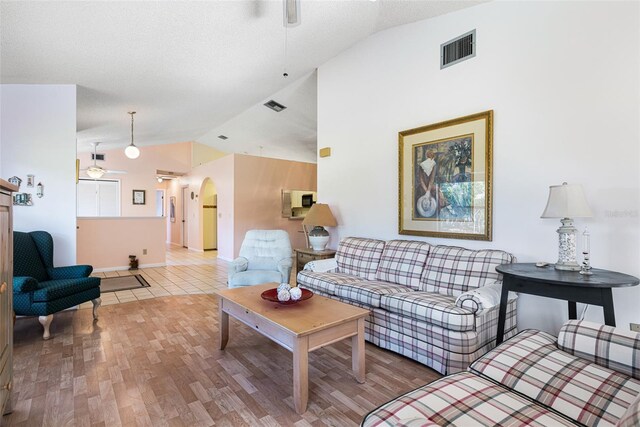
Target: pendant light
{"type": "Point", "coordinates": [132, 151]}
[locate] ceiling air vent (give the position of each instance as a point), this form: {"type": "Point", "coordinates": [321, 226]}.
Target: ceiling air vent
{"type": "Point", "coordinates": [275, 106]}
{"type": "Point", "coordinates": [223, 137]}
{"type": "Point", "coordinates": [97, 156]}
{"type": "Point", "coordinates": [458, 50]}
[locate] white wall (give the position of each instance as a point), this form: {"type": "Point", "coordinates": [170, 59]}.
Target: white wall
{"type": "Point", "coordinates": [563, 81]}
{"type": "Point", "coordinates": [38, 137]}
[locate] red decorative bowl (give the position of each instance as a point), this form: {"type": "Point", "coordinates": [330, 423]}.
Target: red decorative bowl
{"type": "Point", "coordinates": [272, 295]}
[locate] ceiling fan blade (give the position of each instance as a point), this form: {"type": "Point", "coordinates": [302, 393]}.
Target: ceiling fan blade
{"type": "Point", "coordinates": [115, 171]}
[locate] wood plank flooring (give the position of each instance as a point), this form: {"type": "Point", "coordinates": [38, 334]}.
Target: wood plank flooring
{"type": "Point", "coordinates": [156, 362]}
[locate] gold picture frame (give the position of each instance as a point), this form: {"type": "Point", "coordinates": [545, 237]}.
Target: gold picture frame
{"type": "Point", "coordinates": [445, 179]}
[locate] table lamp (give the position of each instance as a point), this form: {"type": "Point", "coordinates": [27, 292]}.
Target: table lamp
{"type": "Point", "coordinates": [566, 202]}
{"type": "Point", "coordinates": [319, 216]}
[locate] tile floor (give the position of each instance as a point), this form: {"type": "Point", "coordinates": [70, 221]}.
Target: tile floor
{"type": "Point", "coordinates": [186, 272]}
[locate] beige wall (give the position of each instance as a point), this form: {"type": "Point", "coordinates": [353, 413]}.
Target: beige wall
{"type": "Point", "coordinates": [248, 190]}
{"type": "Point", "coordinates": [141, 172]}
{"type": "Point", "coordinates": [201, 154]}
{"type": "Point", "coordinates": [106, 243]}
{"type": "Point", "coordinates": [258, 204]}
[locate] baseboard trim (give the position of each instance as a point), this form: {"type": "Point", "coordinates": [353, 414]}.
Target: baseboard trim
{"type": "Point", "coordinates": [126, 267]}
{"type": "Point", "coordinates": [224, 258]}
{"type": "Point", "coordinates": [195, 250]}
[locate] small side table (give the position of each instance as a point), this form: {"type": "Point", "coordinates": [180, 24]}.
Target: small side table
{"type": "Point", "coordinates": [570, 286]}
{"type": "Point", "coordinates": [304, 255]}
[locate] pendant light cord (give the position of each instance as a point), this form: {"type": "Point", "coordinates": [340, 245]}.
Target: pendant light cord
{"type": "Point", "coordinates": [132, 113]}
{"type": "Point", "coordinates": [286, 32]}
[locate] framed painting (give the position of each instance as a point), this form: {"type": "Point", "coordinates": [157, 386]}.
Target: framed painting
{"type": "Point", "coordinates": [445, 187]}
{"type": "Point", "coordinates": [139, 197]}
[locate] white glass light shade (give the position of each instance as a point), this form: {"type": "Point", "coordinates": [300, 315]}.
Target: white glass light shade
{"type": "Point", "coordinates": [95, 172]}
{"type": "Point", "coordinates": [159, 179]}
{"type": "Point", "coordinates": [132, 152]}
{"type": "Point", "coordinates": [566, 201]}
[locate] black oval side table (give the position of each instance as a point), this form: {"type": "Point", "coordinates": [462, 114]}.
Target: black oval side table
{"type": "Point", "coordinates": [571, 286]}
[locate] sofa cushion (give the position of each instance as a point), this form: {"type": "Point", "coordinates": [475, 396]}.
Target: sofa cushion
{"type": "Point", "coordinates": [324, 282]}
{"type": "Point", "coordinates": [402, 262]}
{"type": "Point", "coordinates": [613, 348]}
{"type": "Point", "coordinates": [631, 417]}
{"type": "Point", "coordinates": [431, 308]}
{"type": "Point", "coordinates": [531, 364]}
{"type": "Point", "coordinates": [62, 288]}
{"type": "Point", "coordinates": [451, 270]}
{"type": "Point", "coordinates": [359, 257]}
{"type": "Point", "coordinates": [368, 293]}
{"type": "Point", "coordinates": [464, 399]}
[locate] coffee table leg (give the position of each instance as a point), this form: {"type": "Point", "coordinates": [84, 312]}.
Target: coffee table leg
{"type": "Point", "coordinates": [223, 319]}
{"type": "Point", "coordinates": [301, 374]}
{"type": "Point", "coordinates": [357, 353]}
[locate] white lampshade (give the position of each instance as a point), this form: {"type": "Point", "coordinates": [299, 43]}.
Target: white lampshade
{"type": "Point", "coordinates": [566, 201]}
{"type": "Point", "coordinates": [132, 151]}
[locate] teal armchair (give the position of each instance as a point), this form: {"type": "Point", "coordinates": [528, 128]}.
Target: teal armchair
{"type": "Point", "coordinates": [39, 288]}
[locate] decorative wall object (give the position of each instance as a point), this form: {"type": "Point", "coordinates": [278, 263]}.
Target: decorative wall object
{"type": "Point", "coordinates": [30, 180]}
{"type": "Point", "coordinates": [139, 197]}
{"type": "Point", "coordinates": [172, 208]}
{"type": "Point", "coordinates": [445, 179]}
{"type": "Point", "coordinates": [39, 190]}
{"type": "Point", "coordinates": [15, 181]}
{"type": "Point", "coordinates": [22, 199]}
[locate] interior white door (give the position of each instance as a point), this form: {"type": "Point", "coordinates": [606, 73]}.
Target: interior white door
{"type": "Point", "coordinates": [185, 217]}
{"type": "Point", "coordinates": [160, 203]}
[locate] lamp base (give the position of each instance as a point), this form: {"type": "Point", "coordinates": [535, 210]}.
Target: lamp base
{"type": "Point", "coordinates": [318, 238]}
{"type": "Point", "coordinates": [567, 246]}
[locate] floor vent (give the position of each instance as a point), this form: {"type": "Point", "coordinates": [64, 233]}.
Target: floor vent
{"type": "Point", "coordinates": [97, 156]}
{"type": "Point", "coordinates": [458, 50]}
{"type": "Point", "coordinates": [275, 106]}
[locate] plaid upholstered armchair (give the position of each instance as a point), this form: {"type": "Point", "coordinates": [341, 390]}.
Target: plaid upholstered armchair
{"type": "Point", "coordinates": [39, 288]}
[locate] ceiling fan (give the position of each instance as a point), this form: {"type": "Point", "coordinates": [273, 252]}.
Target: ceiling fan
{"type": "Point", "coordinates": [94, 171]}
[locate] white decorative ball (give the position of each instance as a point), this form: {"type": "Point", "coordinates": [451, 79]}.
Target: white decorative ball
{"type": "Point", "coordinates": [296, 293]}
{"type": "Point", "coordinates": [284, 286]}
{"type": "Point", "coordinates": [284, 295]}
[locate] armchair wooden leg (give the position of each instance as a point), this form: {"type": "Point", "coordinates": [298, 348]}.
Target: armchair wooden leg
{"type": "Point", "coordinates": [96, 303]}
{"type": "Point", "coordinates": [46, 322]}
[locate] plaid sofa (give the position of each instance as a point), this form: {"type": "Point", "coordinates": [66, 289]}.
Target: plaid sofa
{"type": "Point", "coordinates": [435, 304]}
{"type": "Point", "coordinates": [588, 376]}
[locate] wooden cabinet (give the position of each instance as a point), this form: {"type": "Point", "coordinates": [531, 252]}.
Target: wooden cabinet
{"type": "Point", "coordinates": [6, 294]}
{"type": "Point", "coordinates": [304, 256]}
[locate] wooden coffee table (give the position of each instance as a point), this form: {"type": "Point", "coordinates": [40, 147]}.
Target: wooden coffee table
{"type": "Point", "coordinates": [300, 328]}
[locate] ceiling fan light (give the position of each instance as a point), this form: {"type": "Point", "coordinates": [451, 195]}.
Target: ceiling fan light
{"type": "Point", "coordinates": [95, 172]}
{"type": "Point", "coordinates": [132, 152]}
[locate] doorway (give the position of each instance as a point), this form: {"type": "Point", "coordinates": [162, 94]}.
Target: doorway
{"type": "Point", "coordinates": [209, 216]}
{"type": "Point", "coordinates": [160, 207]}
{"type": "Point", "coordinates": [185, 217]}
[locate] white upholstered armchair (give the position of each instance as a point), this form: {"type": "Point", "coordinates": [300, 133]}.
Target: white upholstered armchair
{"type": "Point", "coordinates": [265, 256]}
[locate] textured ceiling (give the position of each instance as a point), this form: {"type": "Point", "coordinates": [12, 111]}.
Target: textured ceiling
{"type": "Point", "coordinates": [192, 70]}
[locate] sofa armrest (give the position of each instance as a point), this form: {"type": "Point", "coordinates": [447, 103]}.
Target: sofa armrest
{"type": "Point", "coordinates": [608, 346]}
{"type": "Point", "coordinates": [70, 272]}
{"type": "Point", "coordinates": [482, 298]}
{"type": "Point", "coordinates": [322, 265]}
{"type": "Point", "coordinates": [237, 265]}
{"type": "Point", "coordinates": [24, 284]}
{"type": "Point", "coordinates": [284, 267]}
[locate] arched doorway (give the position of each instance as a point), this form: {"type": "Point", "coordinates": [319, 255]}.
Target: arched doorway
{"type": "Point", "coordinates": [209, 198]}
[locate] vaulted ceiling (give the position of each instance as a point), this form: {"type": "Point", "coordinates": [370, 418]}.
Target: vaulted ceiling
{"type": "Point", "coordinates": [192, 70]}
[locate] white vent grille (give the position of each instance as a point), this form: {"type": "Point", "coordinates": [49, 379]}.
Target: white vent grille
{"type": "Point", "coordinates": [458, 50]}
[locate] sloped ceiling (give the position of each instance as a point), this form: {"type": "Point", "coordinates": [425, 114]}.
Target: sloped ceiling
{"type": "Point", "coordinates": [192, 70]}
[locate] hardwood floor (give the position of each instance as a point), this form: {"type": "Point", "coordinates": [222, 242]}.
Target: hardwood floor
{"type": "Point", "coordinates": [155, 362]}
